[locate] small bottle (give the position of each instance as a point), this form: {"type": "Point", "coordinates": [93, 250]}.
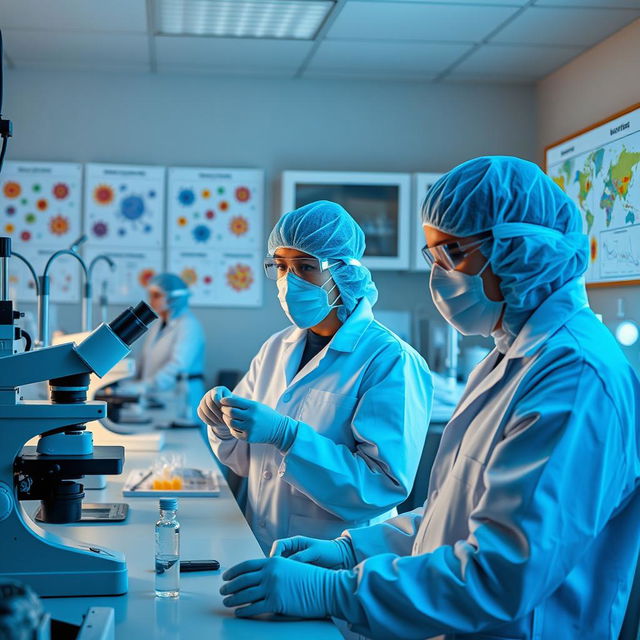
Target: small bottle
{"type": "Point", "coordinates": [168, 550]}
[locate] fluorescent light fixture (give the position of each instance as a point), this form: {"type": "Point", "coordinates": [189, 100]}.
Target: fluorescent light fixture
{"type": "Point", "coordinates": [281, 19]}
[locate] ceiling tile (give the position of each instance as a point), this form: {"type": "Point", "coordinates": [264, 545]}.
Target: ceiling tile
{"type": "Point", "coordinates": [406, 59]}
{"type": "Point", "coordinates": [610, 4]}
{"type": "Point", "coordinates": [229, 54]}
{"type": "Point", "coordinates": [89, 15]}
{"type": "Point", "coordinates": [76, 50]}
{"type": "Point", "coordinates": [564, 26]}
{"type": "Point", "coordinates": [516, 61]}
{"type": "Point", "coordinates": [420, 22]}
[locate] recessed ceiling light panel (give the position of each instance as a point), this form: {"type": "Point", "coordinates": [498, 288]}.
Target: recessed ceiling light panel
{"type": "Point", "coordinates": [280, 19]}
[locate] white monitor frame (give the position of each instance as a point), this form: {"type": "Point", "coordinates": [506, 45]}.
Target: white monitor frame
{"type": "Point", "coordinates": [421, 184]}
{"type": "Point", "coordinates": [402, 180]}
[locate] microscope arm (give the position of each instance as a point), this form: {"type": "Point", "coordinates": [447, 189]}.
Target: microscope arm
{"type": "Point", "coordinates": [97, 353]}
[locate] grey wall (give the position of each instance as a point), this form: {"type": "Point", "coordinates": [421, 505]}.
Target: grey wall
{"type": "Point", "coordinates": [592, 87]}
{"type": "Point", "coordinates": [271, 124]}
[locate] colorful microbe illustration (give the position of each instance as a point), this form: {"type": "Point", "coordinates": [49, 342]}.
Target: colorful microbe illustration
{"type": "Point", "coordinates": [60, 191]}
{"type": "Point", "coordinates": [100, 229]}
{"type": "Point", "coordinates": [42, 204]}
{"type": "Point", "coordinates": [240, 277]}
{"type": "Point", "coordinates": [59, 225]}
{"type": "Point", "coordinates": [223, 206]}
{"type": "Point", "coordinates": [186, 197]}
{"type": "Point", "coordinates": [239, 225]}
{"type": "Point", "coordinates": [201, 233]}
{"type": "Point", "coordinates": [189, 275]}
{"type": "Point", "coordinates": [12, 189]}
{"type": "Point", "coordinates": [243, 194]}
{"type": "Point", "coordinates": [132, 208]}
{"type": "Point", "coordinates": [182, 221]}
{"type": "Point", "coordinates": [103, 194]}
{"type": "Point", "coordinates": [145, 276]}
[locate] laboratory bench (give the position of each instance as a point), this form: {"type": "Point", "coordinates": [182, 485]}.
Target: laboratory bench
{"type": "Point", "coordinates": [210, 528]}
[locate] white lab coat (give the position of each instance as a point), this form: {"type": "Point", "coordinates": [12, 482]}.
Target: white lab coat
{"type": "Point", "coordinates": [363, 405]}
{"type": "Point", "coordinates": [178, 348]}
{"type": "Point", "coordinates": [531, 525]}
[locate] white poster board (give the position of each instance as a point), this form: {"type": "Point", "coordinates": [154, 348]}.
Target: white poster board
{"type": "Point", "coordinates": [124, 206]}
{"type": "Point", "coordinates": [40, 205]}
{"type": "Point", "coordinates": [215, 234]}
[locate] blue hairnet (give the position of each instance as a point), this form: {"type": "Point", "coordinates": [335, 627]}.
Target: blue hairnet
{"type": "Point", "coordinates": [175, 289]}
{"type": "Point", "coordinates": [533, 259]}
{"type": "Point", "coordinates": [325, 230]}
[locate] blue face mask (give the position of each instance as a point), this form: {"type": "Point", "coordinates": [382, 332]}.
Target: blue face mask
{"type": "Point", "coordinates": [461, 300]}
{"type": "Point", "coordinates": [305, 304]}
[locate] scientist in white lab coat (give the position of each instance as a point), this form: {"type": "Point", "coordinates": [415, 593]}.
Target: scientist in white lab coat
{"type": "Point", "coordinates": [175, 344]}
{"type": "Point", "coordinates": [330, 420]}
{"type": "Point", "coordinates": [530, 528]}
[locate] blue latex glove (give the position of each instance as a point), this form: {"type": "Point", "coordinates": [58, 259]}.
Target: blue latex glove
{"type": "Point", "coordinates": [210, 411]}
{"type": "Point", "coordinates": [332, 554]}
{"type": "Point", "coordinates": [256, 422]}
{"type": "Point", "coordinates": [283, 586]}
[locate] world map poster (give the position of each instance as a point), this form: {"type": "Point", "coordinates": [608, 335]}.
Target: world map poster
{"type": "Point", "coordinates": [600, 170]}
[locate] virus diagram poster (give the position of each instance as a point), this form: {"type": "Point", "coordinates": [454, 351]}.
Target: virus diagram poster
{"type": "Point", "coordinates": [214, 234]}
{"type": "Point", "coordinates": [40, 204]}
{"type": "Point", "coordinates": [64, 273]}
{"type": "Point", "coordinates": [126, 283]}
{"type": "Point", "coordinates": [124, 219]}
{"type": "Point", "coordinates": [124, 206]}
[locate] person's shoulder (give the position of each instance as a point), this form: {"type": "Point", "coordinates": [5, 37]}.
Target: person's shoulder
{"type": "Point", "coordinates": [586, 344]}
{"type": "Point", "coordinates": [380, 336]}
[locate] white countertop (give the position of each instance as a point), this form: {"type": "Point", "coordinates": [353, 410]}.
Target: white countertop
{"type": "Point", "coordinates": [210, 528]}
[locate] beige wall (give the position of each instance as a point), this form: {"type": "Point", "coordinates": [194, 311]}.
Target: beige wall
{"type": "Point", "coordinates": [594, 86]}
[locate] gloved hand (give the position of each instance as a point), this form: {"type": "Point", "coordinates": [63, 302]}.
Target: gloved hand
{"type": "Point", "coordinates": [256, 422]}
{"type": "Point", "coordinates": [279, 585]}
{"type": "Point", "coordinates": [210, 412]}
{"type": "Point", "coordinates": [332, 554]}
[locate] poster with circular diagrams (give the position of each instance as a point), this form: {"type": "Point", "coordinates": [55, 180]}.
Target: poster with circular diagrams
{"type": "Point", "coordinates": [126, 283]}
{"type": "Point", "coordinates": [219, 278]}
{"type": "Point", "coordinates": [124, 206]}
{"type": "Point", "coordinates": [214, 234]}
{"type": "Point", "coordinates": [40, 205]}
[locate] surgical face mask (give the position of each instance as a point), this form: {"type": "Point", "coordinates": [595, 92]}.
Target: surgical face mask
{"type": "Point", "coordinates": [461, 300]}
{"type": "Point", "coordinates": [305, 304]}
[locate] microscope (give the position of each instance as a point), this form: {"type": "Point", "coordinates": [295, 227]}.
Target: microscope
{"type": "Point", "coordinates": [52, 470]}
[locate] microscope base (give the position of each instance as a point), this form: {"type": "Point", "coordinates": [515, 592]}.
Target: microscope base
{"type": "Point", "coordinates": [55, 566]}
{"type": "Point", "coordinates": [72, 584]}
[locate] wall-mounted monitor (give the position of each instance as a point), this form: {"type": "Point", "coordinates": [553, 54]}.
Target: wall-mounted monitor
{"type": "Point", "coordinates": [380, 203]}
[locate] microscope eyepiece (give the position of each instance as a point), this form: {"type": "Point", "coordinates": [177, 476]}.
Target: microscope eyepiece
{"type": "Point", "coordinates": [133, 322]}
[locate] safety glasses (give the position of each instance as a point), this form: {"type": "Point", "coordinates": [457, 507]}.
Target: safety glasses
{"type": "Point", "coordinates": [449, 255]}
{"type": "Point", "coordinates": [307, 268]}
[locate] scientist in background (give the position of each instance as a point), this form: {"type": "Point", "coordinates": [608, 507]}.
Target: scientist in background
{"type": "Point", "coordinates": [175, 345]}
{"type": "Point", "coordinates": [329, 422]}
